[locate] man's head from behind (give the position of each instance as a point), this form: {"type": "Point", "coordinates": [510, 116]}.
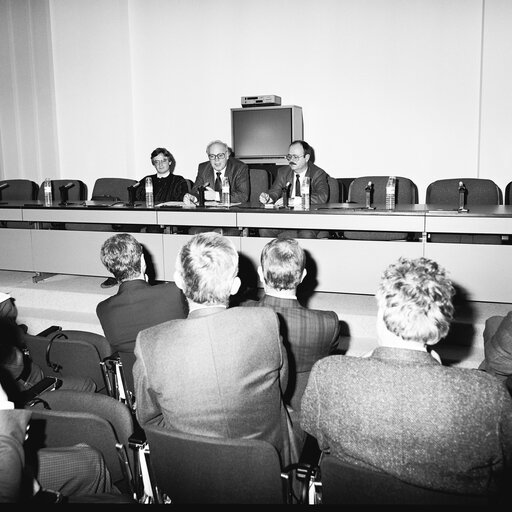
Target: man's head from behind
{"type": "Point", "coordinates": [282, 264]}
{"type": "Point", "coordinates": [207, 268]}
{"type": "Point", "coordinates": [415, 300]}
{"type": "Point", "coordinates": [123, 256]}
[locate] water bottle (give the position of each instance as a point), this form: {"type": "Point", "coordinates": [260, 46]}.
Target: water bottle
{"type": "Point", "coordinates": [47, 187]}
{"type": "Point", "coordinates": [226, 196]}
{"type": "Point", "coordinates": [304, 192]}
{"type": "Point", "coordinates": [149, 193]}
{"type": "Point", "coordinates": [390, 193]}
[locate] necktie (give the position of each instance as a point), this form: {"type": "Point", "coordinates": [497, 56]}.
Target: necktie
{"type": "Point", "coordinates": [297, 186]}
{"type": "Point", "coordinates": [218, 184]}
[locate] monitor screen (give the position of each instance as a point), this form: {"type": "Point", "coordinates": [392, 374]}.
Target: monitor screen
{"type": "Point", "coordinates": [265, 133]}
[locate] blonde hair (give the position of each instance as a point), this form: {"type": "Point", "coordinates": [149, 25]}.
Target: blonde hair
{"type": "Point", "coordinates": [415, 299]}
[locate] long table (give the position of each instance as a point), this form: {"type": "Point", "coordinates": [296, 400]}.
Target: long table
{"type": "Point", "coordinates": [334, 265]}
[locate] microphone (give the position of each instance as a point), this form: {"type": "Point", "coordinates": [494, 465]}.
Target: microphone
{"type": "Point", "coordinates": [64, 193]}
{"type": "Point", "coordinates": [131, 193]}
{"type": "Point", "coordinates": [368, 193]}
{"type": "Point", "coordinates": [4, 185]}
{"type": "Point", "coordinates": [67, 186]}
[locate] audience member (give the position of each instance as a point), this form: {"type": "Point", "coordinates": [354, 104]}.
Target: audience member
{"type": "Point", "coordinates": [220, 372]}
{"type": "Point", "coordinates": [167, 186]}
{"type": "Point", "coordinates": [498, 348]}
{"type": "Point", "coordinates": [137, 305]}
{"type": "Point", "coordinates": [308, 334]}
{"type": "Point", "coordinates": [50, 475]}
{"type": "Point", "coordinates": [15, 357]}
{"type": "Point", "coordinates": [221, 164]}
{"type": "Point", "coordinates": [300, 158]}
{"type": "Point", "coordinates": [400, 411]}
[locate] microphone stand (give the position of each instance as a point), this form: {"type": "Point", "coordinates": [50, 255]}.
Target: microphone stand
{"type": "Point", "coordinates": [368, 190]}
{"type": "Point", "coordinates": [462, 198]}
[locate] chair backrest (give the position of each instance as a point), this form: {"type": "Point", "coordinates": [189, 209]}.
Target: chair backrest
{"type": "Point", "coordinates": [112, 188]}
{"type": "Point", "coordinates": [406, 190]}
{"type": "Point", "coordinates": [197, 469]}
{"type": "Point", "coordinates": [479, 191]}
{"type": "Point", "coordinates": [77, 353]}
{"type": "Point", "coordinates": [344, 483]}
{"type": "Point", "coordinates": [52, 428]}
{"type": "Point", "coordinates": [76, 193]}
{"type": "Point", "coordinates": [260, 181]}
{"type": "Point", "coordinates": [344, 185]}
{"type": "Point", "coordinates": [508, 193]}
{"type": "Point", "coordinates": [334, 190]}
{"type": "Point", "coordinates": [19, 190]}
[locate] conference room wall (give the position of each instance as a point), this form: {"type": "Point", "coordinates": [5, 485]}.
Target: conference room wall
{"type": "Point", "coordinates": [418, 88]}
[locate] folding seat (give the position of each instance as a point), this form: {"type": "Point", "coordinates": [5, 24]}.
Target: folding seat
{"type": "Point", "coordinates": [478, 191]}
{"type": "Point", "coordinates": [338, 482]}
{"type": "Point", "coordinates": [189, 468]}
{"type": "Point", "coordinates": [260, 181]}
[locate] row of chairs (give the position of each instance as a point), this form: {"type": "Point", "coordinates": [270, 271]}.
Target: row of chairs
{"type": "Point", "coordinates": [156, 465]}
{"type": "Point", "coordinates": [444, 191]}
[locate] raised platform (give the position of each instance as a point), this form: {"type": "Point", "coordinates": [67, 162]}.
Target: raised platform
{"type": "Point", "coordinates": [70, 301]}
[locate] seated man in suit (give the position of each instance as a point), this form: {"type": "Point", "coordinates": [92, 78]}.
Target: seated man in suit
{"type": "Point", "coordinates": [498, 348]}
{"type": "Point", "coordinates": [210, 174]}
{"type": "Point", "coordinates": [220, 372]}
{"type": "Point", "coordinates": [400, 411]}
{"type": "Point", "coordinates": [301, 157]}
{"type": "Point", "coordinates": [308, 334]}
{"type": "Point", "coordinates": [137, 305]}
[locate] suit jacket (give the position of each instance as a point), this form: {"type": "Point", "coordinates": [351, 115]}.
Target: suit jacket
{"type": "Point", "coordinates": [218, 373]}
{"type": "Point", "coordinates": [308, 335]}
{"type": "Point", "coordinates": [498, 346]}
{"type": "Point", "coordinates": [136, 306]}
{"type": "Point", "coordinates": [401, 412]}
{"type": "Point", "coordinates": [237, 173]}
{"type": "Point", "coordinates": [319, 188]}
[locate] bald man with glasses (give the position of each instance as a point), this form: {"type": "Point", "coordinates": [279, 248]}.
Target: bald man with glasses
{"type": "Point", "coordinates": [300, 158]}
{"type": "Point", "coordinates": [221, 164]}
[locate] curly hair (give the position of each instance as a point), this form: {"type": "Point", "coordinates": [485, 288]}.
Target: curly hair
{"type": "Point", "coordinates": [415, 299]}
{"type": "Point", "coordinates": [282, 262]}
{"type": "Point", "coordinates": [208, 264]}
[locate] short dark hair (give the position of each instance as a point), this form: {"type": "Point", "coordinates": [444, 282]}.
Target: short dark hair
{"type": "Point", "coordinates": [166, 153]}
{"type": "Point", "coordinates": [308, 150]}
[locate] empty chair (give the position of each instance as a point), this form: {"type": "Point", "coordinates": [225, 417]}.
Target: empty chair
{"type": "Point", "coordinates": [18, 190]}
{"type": "Point", "coordinates": [344, 185]}
{"type": "Point", "coordinates": [260, 181]}
{"type": "Point", "coordinates": [406, 193]}
{"type": "Point", "coordinates": [197, 469]}
{"type": "Point", "coordinates": [508, 193]}
{"type": "Point", "coordinates": [479, 191]}
{"type": "Point", "coordinates": [69, 352]}
{"type": "Point", "coordinates": [112, 189]}
{"type": "Point", "coordinates": [338, 482]}
{"type": "Point", "coordinates": [334, 190]}
{"type": "Point", "coordinates": [78, 192]}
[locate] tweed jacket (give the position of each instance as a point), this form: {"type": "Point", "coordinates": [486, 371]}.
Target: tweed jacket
{"type": "Point", "coordinates": [308, 335]}
{"type": "Point", "coordinates": [404, 413]}
{"type": "Point", "coordinates": [237, 173]}
{"type": "Point", "coordinates": [498, 347]}
{"type": "Point", "coordinates": [319, 188]}
{"type": "Point", "coordinates": [136, 306]}
{"type": "Point", "coordinates": [217, 373]}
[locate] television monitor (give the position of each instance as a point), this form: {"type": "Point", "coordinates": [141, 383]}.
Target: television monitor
{"type": "Point", "coordinates": [263, 134]}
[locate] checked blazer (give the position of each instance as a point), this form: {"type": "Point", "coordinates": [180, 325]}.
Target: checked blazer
{"type": "Point", "coordinates": [308, 335]}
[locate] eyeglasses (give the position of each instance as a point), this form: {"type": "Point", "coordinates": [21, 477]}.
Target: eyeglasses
{"type": "Point", "coordinates": [220, 156]}
{"type": "Point", "coordinates": [295, 158]}
{"type": "Point", "coordinates": [160, 162]}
